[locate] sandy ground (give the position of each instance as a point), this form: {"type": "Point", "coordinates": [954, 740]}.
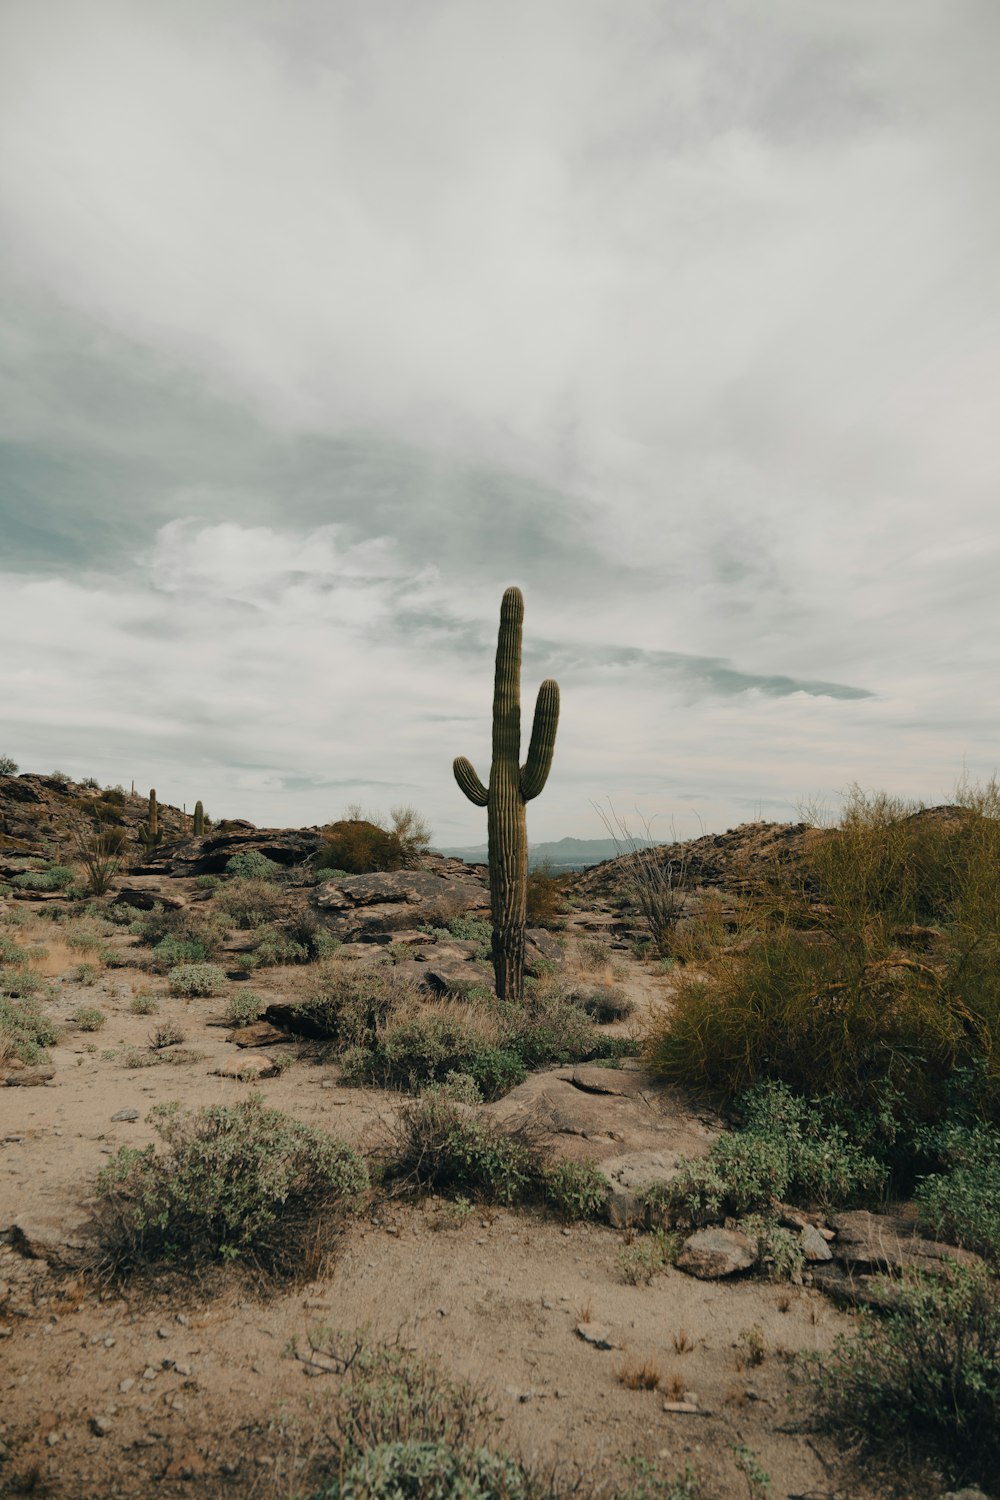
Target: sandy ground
{"type": "Point", "coordinates": [195, 1390]}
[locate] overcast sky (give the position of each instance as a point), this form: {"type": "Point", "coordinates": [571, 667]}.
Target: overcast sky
{"type": "Point", "coordinates": [323, 322]}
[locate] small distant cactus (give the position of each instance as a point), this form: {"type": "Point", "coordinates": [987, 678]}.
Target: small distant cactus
{"type": "Point", "coordinates": [511, 787]}
{"type": "Point", "coordinates": [150, 835]}
{"type": "Point", "coordinates": [199, 820]}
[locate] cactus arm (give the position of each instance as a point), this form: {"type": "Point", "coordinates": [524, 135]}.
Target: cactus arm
{"type": "Point", "coordinates": [535, 771]}
{"type": "Point", "coordinates": [465, 775]}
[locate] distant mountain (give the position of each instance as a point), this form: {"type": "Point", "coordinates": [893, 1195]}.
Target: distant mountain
{"type": "Point", "coordinates": [560, 855]}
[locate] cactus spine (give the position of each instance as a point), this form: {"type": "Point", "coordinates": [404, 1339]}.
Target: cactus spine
{"type": "Point", "coordinates": [199, 820]}
{"type": "Point", "coordinates": [511, 787]}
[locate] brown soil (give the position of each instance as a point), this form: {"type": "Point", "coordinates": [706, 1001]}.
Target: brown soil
{"type": "Point", "coordinates": [193, 1389]}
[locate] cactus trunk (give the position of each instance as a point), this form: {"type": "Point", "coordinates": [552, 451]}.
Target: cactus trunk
{"type": "Point", "coordinates": [153, 824]}
{"type": "Point", "coordinates": [199, 820]}
{"type": "Point", "coordinates": [510, 788]}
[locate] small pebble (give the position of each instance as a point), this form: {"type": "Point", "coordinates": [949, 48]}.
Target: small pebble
{"type": "Point", "coordinates": [126, 1385]}
{"type": "Point", "coordinates": [163, 1333]}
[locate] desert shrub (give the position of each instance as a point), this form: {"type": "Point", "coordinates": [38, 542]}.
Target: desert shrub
{"type": "Point", "coordinates": [139, 1057]}
{"type": "Point", "coordinates": [8, 766]}
{"type": "Point", "coordinates": [208, 882]}
{"type": "Point", "coordinates": [89, 1018]}
{"type": "Point", "coordinates": [101, 851]}
{"type": "Point", "coordinates": [115, 795]}
{"type": "Point", "coordinates": [166, 1035]}
{"type": "Point", "coordinates": [962, 1203]}
{"type": "Point", "coordinates": [193, 980]}
{"type": "Point", "coordinates": [604, 1003]}
{"type": "Point", "coordinates": [306, 930]}
{"type": "Point", "coordinates": [926, 1377]}
{"type": "Point", "coordinates": [24, 1031]}
{"type": "Point", "coordinates": [647, 1256]}
{"type": "Point", "coordinates": [55, 878]}
{"type": "Point", "coordinates": [250, 902]}
{"type": "Point", "coordinates": [441, 1146]}
{"type": "Point", "coordinates": [358, 845]}
{"type": "Point", "coordinates": [143, 1005]}
{"type": "Point", "coordinates": [785, 1148]}
{"type": "Point", "coordinates": [576, 1190]}
{"type": "Point", "coordinates": [243, 1009]}
{"type": "Point", "coordinates": [20, 983]}
{"type": "Point", "coordinates": [426, 1048]}
{"type": "Point", "coordinates": [237, 1182]}
{"type": "Point", "coordinates": [431, 1467]}
{"type": "Point", "coordinates": [86, 973]}
{"type": "Point", "coordinates": [544, 896]}
{"type": "Point", "coordinates": [12, 952]}
{"type": "Point", "coordinates": [779, 1251]}
{"type": "Point", "coordinates": [879, 976]}
{"type": "Point", "coordinates": [550, 1031]}
{"type": "Point", "coordinates": [350, 1004]}
{"type": "Point", "coordinates": [272, 946]}
{"type": "Point", "coordinates": [252, 865]}
{"type": "Point", "coordinates": [172, 951]}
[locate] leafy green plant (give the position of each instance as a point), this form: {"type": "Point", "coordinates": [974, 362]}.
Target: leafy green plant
{"type": "Point", "coordinates": [90, 1018]}
{"type": "Point", "coordinates": [576, 1190]}
{"type": "Point", "coordinates": [962, 1203]}
{"type": "Point", "coordinates": [86, 974]}
{"type": "Point", "coordinates": [426, 1048]}
{"type": "Point", "coordinates": [249, 901]}
{"type": "Point", "coordinates": [54, 878]}
{"type": "Point", "coordinates": [191, 980]}
{"type": "Point", "coordinates": [244, 1008]}
{"type": "Point", "coordinates": [8, 766]}
{"type": "Point", "coordinates": [208, 882]}
{"type": "Point", "coordinates": [252, 865]}
{"type": "Point", "coordinates": [926, 1377]}
{"type": "Point", "coordinates": [143, 1005]}
{"type": "Point", "coordinates": [236, 1182]}
{"type": "Point", "coordinates": [647, 1256]}
{"type": "Point", "coordinates": [785, 1148]}
{"type": "Point", "coordinates": [24, 1031]}
{"type": "Point", "coordinates": [441, 1147]}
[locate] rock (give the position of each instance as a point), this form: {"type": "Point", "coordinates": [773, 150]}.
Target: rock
{"type": "Point", "coordinates": [29, 1078]}
{"type": "Point", "coordinates": [541, 945]}
{"type": "Point", "coordinates": [577, 1124]}
{"type": "Point", "coordinates": [855, 1291]}
{"type": "Point", "coordinates": [365, 905]}
{"type": "Point", "coordinates": [144, 897]}
{"type": "Point", "coordinates": [886, 1242]}
{"type": "Point", "coordinates": [713, 1253]}
{"type": "Point", "coordinates": [814, 1246]}
{"type": "Point", "coordinates": [247, 1069]}
{"type": "Point", "coordinates": [687, 1408]}
{"type": "Point", "coordinates": [187, 1465]}
{"type": "Point", "coordinates": [597, 1335]}
{"type": "Point", "coordinates": [210, 855]}
{"type": "Point", "coordinates": [456, 977]}
{"type": "Point", "coordinates": [258, 1034]}
{"type": "Point", "coordinates": [48, 1237]}
{"type": "Point", "coordinates": [100, 1426]}
{"type": "Point", "coordinates": [971, 1492]}
{"type": "Point", "coordinates": [128, 1113]}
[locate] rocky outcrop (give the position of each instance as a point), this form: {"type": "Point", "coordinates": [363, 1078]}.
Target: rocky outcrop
{"type": "Point", "coordinates": [363, 906]}
{"type": "Point", "coordinates": [711, 1254]}
{"type": "Point", "coordinates": [210, 855]}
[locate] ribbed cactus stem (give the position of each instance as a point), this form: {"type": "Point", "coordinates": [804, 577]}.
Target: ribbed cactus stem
{"type": "Point", "coordinates": [153, 824]}
{"type": "Point", "coordinates": [511, 787]}
{"type": "Point", "coordinates": [199, 820]}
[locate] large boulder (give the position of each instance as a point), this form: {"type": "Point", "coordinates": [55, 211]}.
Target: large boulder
{"type": "Point", "coordinates": [364, 906]}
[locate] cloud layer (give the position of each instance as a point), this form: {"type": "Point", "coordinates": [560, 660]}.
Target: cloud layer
{"type": "Point", "coordinates": [321, 324]}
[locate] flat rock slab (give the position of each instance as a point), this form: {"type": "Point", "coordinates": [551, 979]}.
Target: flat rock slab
{"type": "Point", "coordinates": [885, 1242]}
{"type": "Point", "coordinates": [366, 905]}
{"type": "Point", "coordinates": [711, 1254]}
{"type": "Point", "coordinates": [27, 1078]}
{"type": "Point", "coordinates": [247, 1068]}
{"type": "Point", "coordinates": [144, 896]}
{"type": "Point", "coordinates": [48, 1237]}
{"type": "Point", "coordinates": [597, 1335]}
{"type": "Point", "coordinates": [257, 1034]}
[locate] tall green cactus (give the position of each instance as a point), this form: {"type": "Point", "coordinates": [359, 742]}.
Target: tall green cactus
{"type": "Point", "coordinates": [153, 825]}
{"type": "Point", "coordinates": [511, 787]}
{"type": "Point", "coordinates": [199, 821]}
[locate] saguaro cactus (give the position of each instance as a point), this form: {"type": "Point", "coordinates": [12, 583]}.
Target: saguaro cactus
{"type": "Point", "coordinates": [511, 787]}
{"type": "Point", "coordinates": [153, 825]}
{"type": "Point", "coordinates": [199, 820]}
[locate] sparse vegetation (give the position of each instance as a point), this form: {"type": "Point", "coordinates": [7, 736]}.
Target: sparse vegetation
{"type": "Point", "coordinates": [359, 845]}
{"type": "Point", "coordinates": [924, 1378]}
{"type": "Point", "coordinates": [236, 1183]}
{"type": "Point", "coordinates": [25, 1031]}
{"type": "Point", "coordinates": [252, 865]}
{"type": "Point", "coordinates": [244, 1008]}
{"type": "Point", "coordinates": [195, 980]}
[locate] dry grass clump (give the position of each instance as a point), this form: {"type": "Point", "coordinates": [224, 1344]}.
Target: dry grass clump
{"type": "Point", "coordinates": [639, 1374]}
{"type": "Point", "coordinates": [876, 975]}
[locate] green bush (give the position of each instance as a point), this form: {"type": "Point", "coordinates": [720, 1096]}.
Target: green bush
{"type": "Point", "coordinates": [24, 1031]}
{"type": "Point", "coordinates": [243, 1009]}
{"type": "Point", "coordinates": [13, 953]}
{"type": "Point", "coordinates": [250, 902]}
{"type": "Point", "coordinates": [550, 1032]}
{"type": "Point", "coordinates": [55, 878]}
{"type": "Point", "coordinates": [172, 951]}
{"type": "Point", "coordinates": [442, 1146]}
{"type": "Point", "coordinates": [270, 947]}
{"type": "Point", "coordinates": [143, 1005]}
{"type": "Point", "coordinates": [391, 1471]}
{"type": "Point", "coordinates": [426, 1048]}
{"type": "Point", "coordinates": [208, 882]}
{"type": "Point", "coordinates": [193, 980]}
{"type": "Point", "coordinates": [926, 1377]}
{"type": "Point", "coordinates": [237, 1182]}
{"type": "Point", "coordinates": [89, 1018]}
{"type": "Point", "coordinates": [874, 971]}
{"type": "Point", "coordinates": [962, 1203]}
{"type": "Point", "coordinates": [20, 983]}
{"type": "Point", "coordinates": [604, 1003]}
{"type": "Point", "coordinates": [351, 1003]}
{"type": "Point", "coordinates": [252, 865]}
{"type": "Point", "coordinates": [576, 1190]}
{"type": "Point", "coordinates": [785, 1149]}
